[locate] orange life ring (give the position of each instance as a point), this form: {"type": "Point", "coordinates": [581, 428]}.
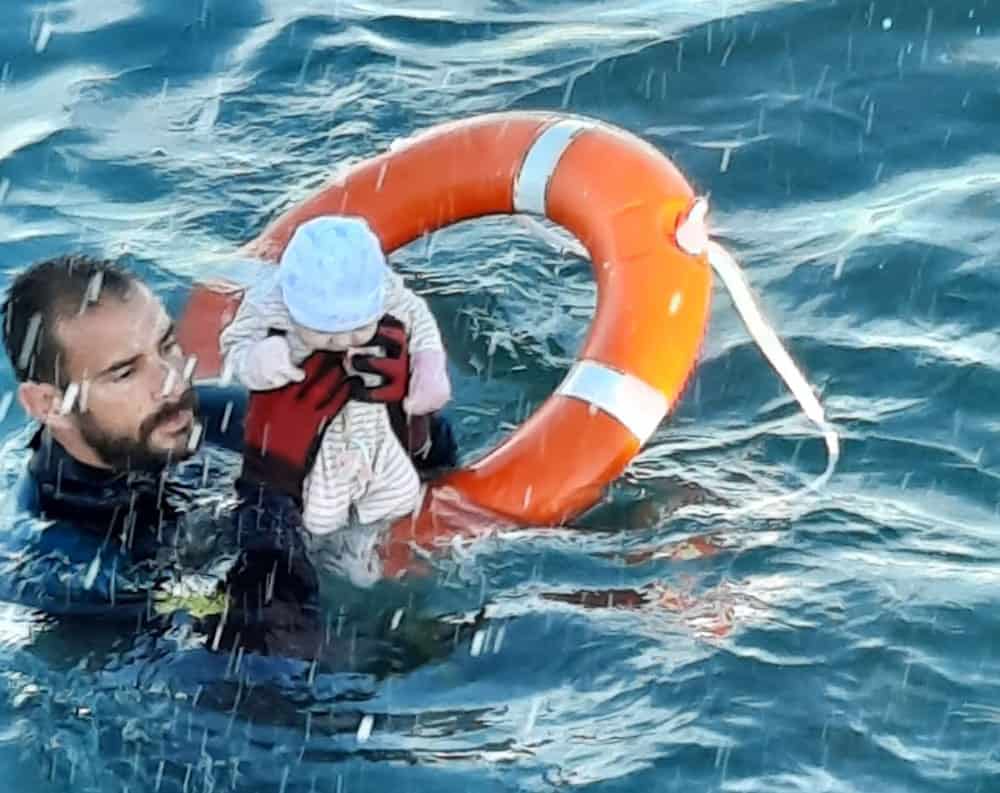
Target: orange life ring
{"type": "Point", "coordinates": [623, 200]}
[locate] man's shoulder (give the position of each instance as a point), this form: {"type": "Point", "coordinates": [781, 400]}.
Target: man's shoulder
{"type": "Point", "coordinates": [30, 530]}
{"type": "Point", "coordinates": [49, 562]}
{"type": "Point", "coordinates": [221, 410]}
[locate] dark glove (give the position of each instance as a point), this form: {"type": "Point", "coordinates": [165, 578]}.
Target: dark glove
{"type": "Point", "coordinates": [393, 366]}
{"type": "Point", "coordinates": [284, 426]}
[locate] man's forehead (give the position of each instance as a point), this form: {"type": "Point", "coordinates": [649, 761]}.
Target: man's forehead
{"type": "Point", "coordinates": [111, 331]}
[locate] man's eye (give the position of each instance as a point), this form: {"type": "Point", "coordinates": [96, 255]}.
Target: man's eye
{"type": "Point", "coordinates": [123, 374]}
{"type": "Point", "coordinates": [171, 346]}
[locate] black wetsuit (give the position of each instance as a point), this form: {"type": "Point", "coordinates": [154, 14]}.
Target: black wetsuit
{"type": "Point", "coordinates": [139, 548]}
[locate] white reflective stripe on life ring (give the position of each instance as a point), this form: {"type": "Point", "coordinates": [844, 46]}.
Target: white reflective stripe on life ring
{"type": "Point", "coordinates": [532, 181]}
{"type": "Point", "coordinates": [633, 402]}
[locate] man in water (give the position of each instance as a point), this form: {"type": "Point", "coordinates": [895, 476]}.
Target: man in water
{"type": "Point", "coordinates": [110, 516]}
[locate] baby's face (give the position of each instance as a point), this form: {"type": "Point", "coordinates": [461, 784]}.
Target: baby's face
{"type": "Point", "coordinates": [336, 342]}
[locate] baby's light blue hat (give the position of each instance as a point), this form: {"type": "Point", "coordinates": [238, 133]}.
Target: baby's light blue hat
{"type": "Point", "coordinates": [332, 274]}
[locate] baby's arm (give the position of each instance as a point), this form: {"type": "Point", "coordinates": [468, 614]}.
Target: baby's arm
{"type": "Point", "coordinates": [430, 387]}
{"type": "Point", "coordinates": [413, 311]}
{"type": "Point", "coordinates": [259, 361]}
{"type": "Point", "coordinates": [246, 329]}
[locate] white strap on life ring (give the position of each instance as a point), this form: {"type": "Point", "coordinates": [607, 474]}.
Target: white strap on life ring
{"type": "Point", "coordinates": [692, 237]}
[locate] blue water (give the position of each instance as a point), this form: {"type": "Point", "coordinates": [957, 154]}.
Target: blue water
{"type": "Point", "coordinates": [850, 151]}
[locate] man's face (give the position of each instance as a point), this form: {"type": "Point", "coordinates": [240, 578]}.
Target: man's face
{"type": "Point", "coordinates": [135, 408]}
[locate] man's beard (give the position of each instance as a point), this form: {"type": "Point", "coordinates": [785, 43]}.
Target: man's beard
{"type": "Point", "coordinates": [124, 453]}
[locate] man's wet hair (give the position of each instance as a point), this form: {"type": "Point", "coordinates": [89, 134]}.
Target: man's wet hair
{"type": "Point", "coordinates": [41, 296]}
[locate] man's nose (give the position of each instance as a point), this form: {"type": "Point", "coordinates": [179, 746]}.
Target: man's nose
{"type": "Point", "coordinates": [174, 380]}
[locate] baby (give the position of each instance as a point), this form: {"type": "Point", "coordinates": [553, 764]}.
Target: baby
{"type": "Point", "coordinates": [334, 291]}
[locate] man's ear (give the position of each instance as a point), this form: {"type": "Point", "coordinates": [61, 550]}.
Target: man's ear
{"type": "Point", "coordinates": [43, 402]}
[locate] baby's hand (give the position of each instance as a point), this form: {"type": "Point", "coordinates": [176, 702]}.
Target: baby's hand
{"type": "Point", "coordinates": [269, 365]}
{"type": "Point", "coordinates": [430, 388]}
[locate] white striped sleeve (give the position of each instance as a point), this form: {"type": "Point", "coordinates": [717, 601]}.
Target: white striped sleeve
{"type": "Point", "coordinates": [250, 325]}
{"type": "Point", "coordinates": [413, 311]}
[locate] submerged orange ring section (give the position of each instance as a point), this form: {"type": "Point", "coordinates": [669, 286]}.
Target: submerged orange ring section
{"type": "Point", "coordinates": [623, 199]}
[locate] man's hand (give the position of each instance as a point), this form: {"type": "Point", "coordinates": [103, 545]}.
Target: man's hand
{"type": "Point", "coordinates": [284, 426]}
{"type": "Point", "coordinates": [392, 366]}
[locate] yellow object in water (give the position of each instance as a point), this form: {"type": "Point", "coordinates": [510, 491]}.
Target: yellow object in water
{"type": "Point", "coordinates": [198, 595]}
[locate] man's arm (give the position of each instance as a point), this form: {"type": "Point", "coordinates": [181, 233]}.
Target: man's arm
{"type": "Point", "coordinates": [273, 579]}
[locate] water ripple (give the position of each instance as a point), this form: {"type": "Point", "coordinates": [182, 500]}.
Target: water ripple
{"type": "Point", "coordinates": [845, 645]}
